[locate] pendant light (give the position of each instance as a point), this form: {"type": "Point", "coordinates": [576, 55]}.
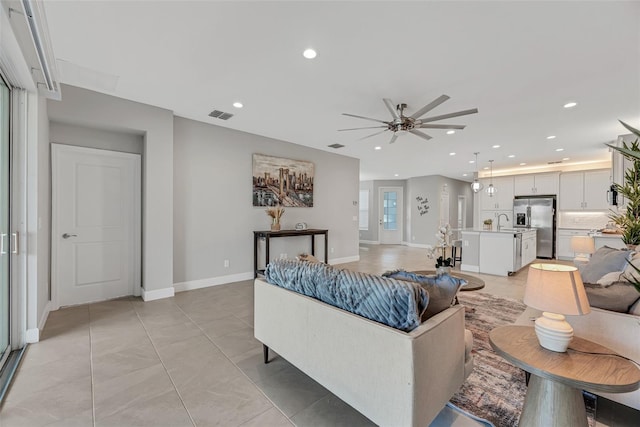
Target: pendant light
{"type": "Point", "coordinates": [491, 190]}
{"type": "Point", "coordinates": [476, 186]}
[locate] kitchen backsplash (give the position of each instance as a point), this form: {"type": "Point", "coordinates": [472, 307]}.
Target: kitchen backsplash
{"type": "Point", "coordinates": [584, 220]}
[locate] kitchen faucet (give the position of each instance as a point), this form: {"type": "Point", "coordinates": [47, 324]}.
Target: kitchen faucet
{"type": "Point", "coordinates": [505, 215]}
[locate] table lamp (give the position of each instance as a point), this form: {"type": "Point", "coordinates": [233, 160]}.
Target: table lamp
{"type": "Point", "coordinates": [583, 247]}
{"type": "Point", "coordinates": [557, 290]}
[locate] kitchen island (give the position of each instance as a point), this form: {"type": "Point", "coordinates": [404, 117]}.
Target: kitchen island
{"type": "Point", "coordinates": [500, 252]}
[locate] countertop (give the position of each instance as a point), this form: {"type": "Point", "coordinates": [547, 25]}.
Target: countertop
{"type": "Point", "coordinates": [504, 230]}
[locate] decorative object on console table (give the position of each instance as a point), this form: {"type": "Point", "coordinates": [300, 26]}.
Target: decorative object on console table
{"type": "Point", "coordinates": [557, 290]}
{"type": "Point", "coordinates": [583, 247]}
{"type": "Point", "coordinates": [275, 213]}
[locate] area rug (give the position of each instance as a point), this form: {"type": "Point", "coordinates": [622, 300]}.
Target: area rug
{"type": "Point", "coordinates": [495, 390]}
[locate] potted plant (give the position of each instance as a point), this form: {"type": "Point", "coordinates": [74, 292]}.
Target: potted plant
{"type": "Point", "coordinates": [488, 224]}
{"type": "Point", "coordinates": [275, 213]}
{"type": "Point", "coordinates": [443, 240]}
{"type": "Point", "coordinates": [629, 219]}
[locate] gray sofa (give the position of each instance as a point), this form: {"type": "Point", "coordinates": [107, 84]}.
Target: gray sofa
{"type": "Point", "coordinates": [392, 377]}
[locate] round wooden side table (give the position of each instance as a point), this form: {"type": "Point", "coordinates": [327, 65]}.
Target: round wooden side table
{"type": "Point", "coordinates": [554, 395]}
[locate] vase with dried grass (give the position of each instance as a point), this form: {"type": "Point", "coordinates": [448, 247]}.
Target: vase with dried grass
{"type": "Point", "coordinates": [275, 213]}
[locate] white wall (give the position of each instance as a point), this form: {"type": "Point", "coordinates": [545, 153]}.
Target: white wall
{"type": "Point", "coordinates": [214, 218]}
{"type": "Point", "coordinates": [85, 108]}
{"type": "Point", "coordinates": [64, 133]}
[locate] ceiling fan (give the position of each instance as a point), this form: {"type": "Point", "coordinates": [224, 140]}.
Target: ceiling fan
{"type": "Point", "coordinates": [401, 124]}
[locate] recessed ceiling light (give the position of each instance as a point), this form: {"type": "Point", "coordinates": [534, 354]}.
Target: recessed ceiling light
{"type": "Point", "coordinates": [551, 137]}
{"type": "Point", "coordinates": [309, 54]}
{"type": "Point", "coordinates": [396, 175]}
{"type": "Point", "coordinates": [465, 174]}
{"type": "Point", "coordinates": [559, 149]}
{"type": "Point", "coordinates": [570, 104]}
{"type": "Point", "coordinates": [451, 132]}
{"type": "Point", "coordinates": [377, 148]}
{"type": "Point", "coordinates": [522, 164]}
{"type": "Point", "coordinates": [511, 156]}
{"type": "Point", "coordinates": [472, 161]}
{"type": "Point", "coordinates": [496, 146]}
{"type": "Point", "coordinates": [452, 154]}
{"type": "Point", "coordinates": [565, 159]}
{"type": "Point", "coordinates": [238, 104]}
{"type": "Point", "coordinates": [486, 168]}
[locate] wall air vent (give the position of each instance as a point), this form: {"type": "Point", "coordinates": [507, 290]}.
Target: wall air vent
{"type": "Point", "coordinates": [220, 115]}
{"type": "Point", "coordinates": [336, 146]}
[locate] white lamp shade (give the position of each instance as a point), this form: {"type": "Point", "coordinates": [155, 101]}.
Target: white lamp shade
{"type": "Point", "coordinates": [583, 245]}
{"type": "Point", "coordinates": [556, 288]}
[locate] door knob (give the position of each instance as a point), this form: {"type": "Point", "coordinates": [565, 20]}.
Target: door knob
{"type": "Point", "coordinates": [67, 235]}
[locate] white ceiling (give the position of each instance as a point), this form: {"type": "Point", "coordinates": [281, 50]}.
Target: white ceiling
{"type": "Point", "coordinates": [517, 62]}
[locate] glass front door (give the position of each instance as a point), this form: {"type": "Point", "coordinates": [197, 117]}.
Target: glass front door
{"type": "Point", "coordinates": [5, 236]}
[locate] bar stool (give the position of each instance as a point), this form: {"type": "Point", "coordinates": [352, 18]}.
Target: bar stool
{"type": "Point", "coordinates": [455, 247]}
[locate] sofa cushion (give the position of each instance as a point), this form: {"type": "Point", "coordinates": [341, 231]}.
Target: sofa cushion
{"type": "Point", "coordinates": [605, 260]}
{"type": "Point", "coordinates": [392, 302]}
{"type": "Point", "coordinates": [619, 296]}
{"type": "Point", "coordinates": [442, 289]}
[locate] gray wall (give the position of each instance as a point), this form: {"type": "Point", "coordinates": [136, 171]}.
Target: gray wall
{"type": "Point", "coordinates": [419, 229]}
{"type": "Point", "coordinates": [374, 211]}
{"type": "Point", "coordinates": [89, 109]}
{"type": "Point", "coordinates": [214, 218]}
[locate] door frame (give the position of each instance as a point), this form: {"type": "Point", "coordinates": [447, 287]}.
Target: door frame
{"type": "Point", "coordinates": [136, 289]}
{"type": "Point", "coordinates": [399, 219]}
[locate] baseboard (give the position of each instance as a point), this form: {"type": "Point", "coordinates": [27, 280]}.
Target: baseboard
{"type": "Point", "coordinates": [157, 294]}
{"type": "Point", "coordinates": [212, 281]}
{"type": "Point", "coordinates": [417, 245]}
{"type": "Point", "coordinates": [32, 335]}
{"type": "Point", "coordinates": [369, 242]}
{"type": "Point", "coordinates": [344, 260]}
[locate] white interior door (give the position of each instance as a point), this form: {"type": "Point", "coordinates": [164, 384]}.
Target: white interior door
{"type": "Point", "coordinates": [95, 224]}
{"type": "Point", "coordinates": [390, 215]}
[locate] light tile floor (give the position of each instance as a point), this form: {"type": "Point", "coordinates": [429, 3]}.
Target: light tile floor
{"type": "Point", "coordinates": [182, 361]}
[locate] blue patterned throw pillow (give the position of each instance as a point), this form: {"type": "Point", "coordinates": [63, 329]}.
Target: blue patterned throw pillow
{"type": "Point", "coordinates": [442, 289]}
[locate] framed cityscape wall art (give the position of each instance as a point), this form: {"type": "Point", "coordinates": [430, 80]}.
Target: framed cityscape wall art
{"type": "Point", "coordinates": [284, 182]}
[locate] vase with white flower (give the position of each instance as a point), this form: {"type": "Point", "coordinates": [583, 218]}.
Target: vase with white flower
{"type": "Point", "coordinates": [275, 213]}
{"type": "Point", "coordinates": [439, 250]}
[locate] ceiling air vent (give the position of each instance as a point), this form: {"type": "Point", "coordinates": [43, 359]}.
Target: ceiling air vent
{"type": "Point", "coordinates": [554, 163]}
{"type": "Point", "coordinates": [336, 146]}
{"type": "Point", "coordinates": [220, 115]}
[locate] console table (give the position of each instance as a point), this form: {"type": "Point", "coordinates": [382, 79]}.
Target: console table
{"type": "Point", "coordinates": [268, 235]}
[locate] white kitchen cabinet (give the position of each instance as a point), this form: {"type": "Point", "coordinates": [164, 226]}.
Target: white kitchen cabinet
{"type": "Point", "coordinates": [584, 190]}
{"type": "Point", "coordinates": [563, 242]}
{"type": "Point", "coordinates": [611, 240]}
{"type": "Point", "coordinates": [529, 247]}
{"type": "Point", "coordinates": [497, 253]}
{"type": "Point", "coordinates": [536, 184]}
{"type": "Point", "coordinates": [502, 199]}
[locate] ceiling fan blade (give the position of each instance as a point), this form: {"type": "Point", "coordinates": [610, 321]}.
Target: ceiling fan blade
{"type": "Point", "coordinates": [366, 118]}
{"type": "Point", "coordinates": [424, 110]}
{"type": "Point", "coordinates": [368, 127]}
{"type": "Point", "coordinates": [446, 116]}
{"type": "Point", "coordinates": [434, 126]}
{"type": "Point", "coordinates": [373, 134]}
{"type": "Point", "coordinates": [392, 108]}
{"type": "Point", "coordinates": [393, 138]}
{"type": "Point", "coordinates": [420, 134]}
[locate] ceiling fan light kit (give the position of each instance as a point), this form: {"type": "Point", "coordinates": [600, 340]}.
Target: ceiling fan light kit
{"type": "Point", "coordinates": [401, 124]}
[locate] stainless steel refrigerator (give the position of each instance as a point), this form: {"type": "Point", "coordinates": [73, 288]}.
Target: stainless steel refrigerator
{"type": "Point", "coordinates": [538, 213]}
